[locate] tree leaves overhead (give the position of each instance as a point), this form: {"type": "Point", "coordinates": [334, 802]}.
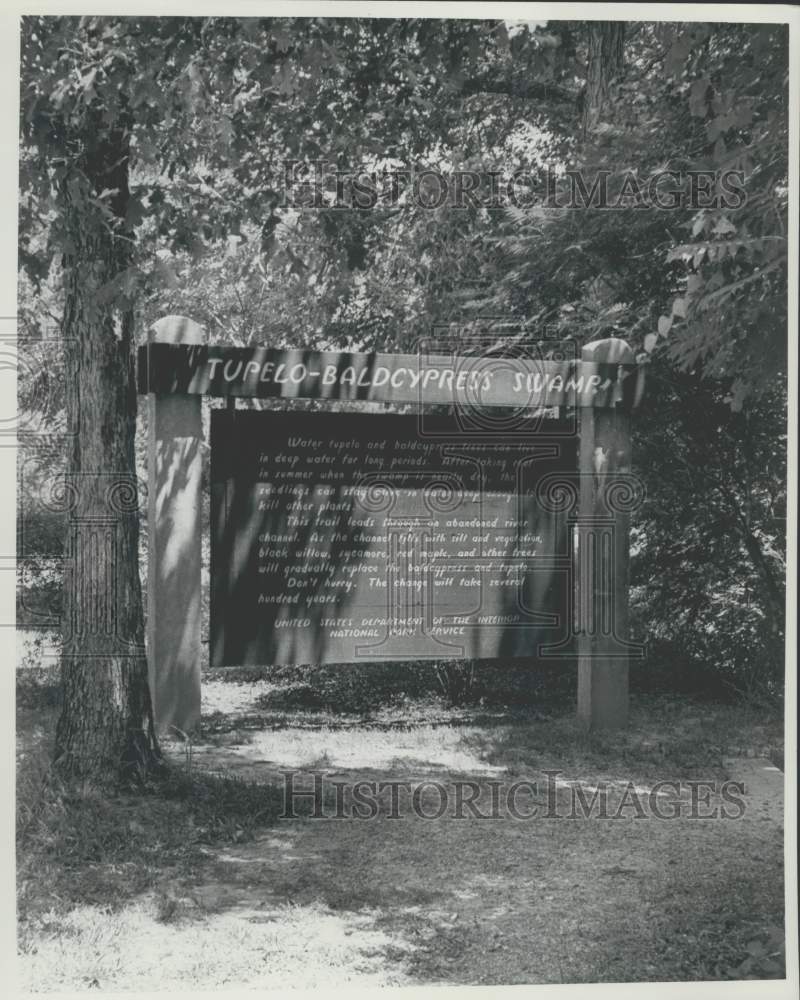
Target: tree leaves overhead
{"type": "Point", "coordinates": [217, 107]}
{"type": "Point", "coordinates": [705, 100]}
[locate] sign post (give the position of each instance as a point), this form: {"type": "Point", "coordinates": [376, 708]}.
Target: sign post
{"type": "Point", "coordinates": [175, 503]}
{"type": "Point", "coordinates": [603, 529]}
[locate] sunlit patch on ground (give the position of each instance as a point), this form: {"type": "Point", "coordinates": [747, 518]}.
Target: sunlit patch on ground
{"type": "Point", "coordinates": [424, 748]}
{"type": "Point", "coordinates": [151, 946]}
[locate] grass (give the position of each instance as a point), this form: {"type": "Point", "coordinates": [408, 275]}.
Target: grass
{"type": "Point", "coordinates": [138, 949]}
{"type": "Point", "coordinates": [106, 888]}
{"type": "Point", "coordinates": [681, 737]}
{"type": "Point", "coordinates": [120, 845]}
{"type": "Point", "coordinates": [198, 883]}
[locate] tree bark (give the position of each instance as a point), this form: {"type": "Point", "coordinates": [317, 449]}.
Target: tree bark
{"type": "Point", "coordinates": [604, 63]}
{"type": "Point", "coordinates": [105, 729]}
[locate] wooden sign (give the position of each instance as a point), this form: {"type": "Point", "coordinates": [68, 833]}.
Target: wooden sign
{"type": "Point", "coordinates": [352, 536]}
{"type": "Point", "coordinates": [336, 539]}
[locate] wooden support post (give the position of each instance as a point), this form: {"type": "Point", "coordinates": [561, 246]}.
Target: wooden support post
{"type": "Point", "coordinates": [603, 553]}
{"type": "Point", "coordinates": [175, 438]}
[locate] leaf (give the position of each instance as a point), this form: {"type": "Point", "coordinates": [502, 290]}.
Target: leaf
{"type": "Point", "coordinates": [60, 92]}
{"type": "Point", "coordinates": [716, 127]}
{"type": "Point", "coordinates": [502, 36]}
{"type": "Point", "coordinates": [285, 80]}
{"type": "Point", "coordinates": [650, 342]}
{"type": "Point", "coordinates": [135, 213]}
{"type": "Point", "coordinates": [676, 56]}
{"type": "Point", "coordinates": [87, 82]}
{"type": "Point", "coordinates": [723, 226]}
{"type": "Point", "coordinates": [664, 324]}
{"type": "Point", "coordinates": [165, 274]}
{"type": "Point", "coordinates": [697, 99]}
{"type": "Point", "coordinates": [679, 308]}
{"type": "Point", "coordinates": [225, 131]}
{"type": "Point", "coordinates": [282, 39]}
{"type": "Point", "coordinates": [738, 396]}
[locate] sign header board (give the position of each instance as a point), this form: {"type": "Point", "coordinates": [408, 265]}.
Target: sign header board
{"type": "Point", "coordinates": [476, 382]}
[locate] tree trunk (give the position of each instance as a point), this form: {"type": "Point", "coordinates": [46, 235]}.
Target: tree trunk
{"type": "Point", "coordinates": [105, 730]}
{"type": "Point", "coordinates": [604, 63]}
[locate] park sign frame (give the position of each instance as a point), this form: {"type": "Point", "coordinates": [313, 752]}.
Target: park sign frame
{"type": "Point", "coordinates": [599, 391]}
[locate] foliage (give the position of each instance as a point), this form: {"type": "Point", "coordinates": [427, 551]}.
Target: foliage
{"type": "Point", "coordinates": [705, 282]}
{"type": "Point", "coordinates": [208, 187]}
{"type": "Point", "coordinates": [708, 564]}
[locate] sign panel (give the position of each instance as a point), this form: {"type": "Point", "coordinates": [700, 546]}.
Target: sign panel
{"type": "Point", "coordinates": [344, 537]}
{"type": "Point", "coordinates": [521, 383]}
